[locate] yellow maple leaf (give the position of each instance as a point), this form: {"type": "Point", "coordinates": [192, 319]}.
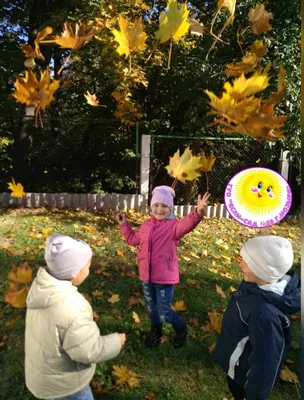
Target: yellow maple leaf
{"type": "Point", "coordinates": [135, 317]}
{"type": "Point", "coordinates": [21, 274]}
{"type": "Point", "coordinates": [220, 291]}
{"type": "Point", "coordinates": [16, 188]}
{"type": "Point", "coordinates": [150, 396]}
{"type": "Point", "coordinates": [33, 92]}
{"type": "Point", "coordinates": [39, 39]}
{"type": "Point", "coordinates": [215, 322]}
{"type": "Point", "coordinates": [228, 4]}
{"type": "Point", "coordinates": [259, 48]}
{"type": "Point", "coordinates": [243, 87]}
{"type": "Point", "coordinates": [74, 40]}
{"type": "Point", "coordinates": [114, 298]}
{"type": "Point", "coordinates": [234, 111]}
{"type": "Point", "coordinates": [16, 297]}
{"type": "Point", "coordinates": [184, 167]}
{"type": "Point", "coordinates": [260, 19]}
{"type": "Point", "coordinates": [130, 37]}
{"type": "Point", "coordinates": [206, 163]}
{"type": "Point", "coordinates": [288, 376]}
{"type": "Point", "coordinates": [173, 24]}
{"type": "Point", "coordinates": [92, 99]}
{"type": "Point", "coordinates": [248, 64]}
{"type": "Point", "coordinates": [125, 376]}
{"type": "Point", "coordinates": [179, 306]}
{"type": "Point", "coordinates": [282, 84]}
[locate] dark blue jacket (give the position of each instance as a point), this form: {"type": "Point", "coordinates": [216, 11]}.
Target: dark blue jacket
{"type": "Point", "coordinates": [255, 334]}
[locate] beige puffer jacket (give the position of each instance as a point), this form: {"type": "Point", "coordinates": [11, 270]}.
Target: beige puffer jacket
{"type": "Point", "coordinates": [62, 342]}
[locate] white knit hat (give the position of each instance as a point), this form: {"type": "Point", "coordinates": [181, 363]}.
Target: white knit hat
{"type": "Point", "coordinates": [163, 194]}
{"type": "Point", "coordinates": [268, 257]}
{"type": "Point", "coordinates": [65, 256]}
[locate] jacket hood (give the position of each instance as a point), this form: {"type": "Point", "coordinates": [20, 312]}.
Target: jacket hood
{"type": "Point", "coordinates": [288, 301]}
{"type": "Point", "coordinates": [47, 290]}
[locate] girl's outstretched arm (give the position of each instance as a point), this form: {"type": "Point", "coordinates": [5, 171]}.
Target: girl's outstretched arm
{"type": "Point", "coordinates": [130, 236]}
{"type": "Point", "coordinates": [188, 223]}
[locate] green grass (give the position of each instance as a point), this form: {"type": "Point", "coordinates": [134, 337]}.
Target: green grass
{"type": "Point", "coordinates": [186, 373]}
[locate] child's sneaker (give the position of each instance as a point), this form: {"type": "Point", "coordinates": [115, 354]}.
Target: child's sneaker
{"type": "Point", "coordinates": [153, 338]}
{"type": "Point", "coordinates": [180, 338]}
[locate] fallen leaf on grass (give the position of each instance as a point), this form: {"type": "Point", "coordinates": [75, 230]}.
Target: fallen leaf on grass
{"type": "Point", "coordinates": [133, 302]}
{"type": "Point", "coordinates": [125, 376]}
{"type": "Point", "coordinates": [179, 306]}
{"type": "Point", "coordinates": [215, 323]}
{"type": "Point", "coordinates": [212, 347]}
{"type": "Point", "coordinates": [136, 317]}
{"type": "Point", "coordinates": [150, 396]}
{"type": "Point", "coordinates": [114, 298]}
{"type": "Point", "coordinates": [289, 376]}
{"type": "Point", "coordinates": [95, 315]}
{"type": "Point", "coordinates": [220, 291]}
{"type": "Point", "coordinates": [193, 322]}
{"type": "Point", "coordinates": [12, 321]}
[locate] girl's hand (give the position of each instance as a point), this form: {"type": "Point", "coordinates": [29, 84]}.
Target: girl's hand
{"type": "Point", "coordinates": [202, 203]}
{"type": "Point", "coordinates": [121, 219]}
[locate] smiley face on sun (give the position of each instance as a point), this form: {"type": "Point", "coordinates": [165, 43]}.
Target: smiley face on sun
{"type": "Point", "coordinates": [259, 190]}
{"type": "Point", "coordinates": [258, 197]}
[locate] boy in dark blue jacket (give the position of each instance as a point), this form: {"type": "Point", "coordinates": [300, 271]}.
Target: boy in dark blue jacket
{"type": "Point", "coordinates": [256, 329]}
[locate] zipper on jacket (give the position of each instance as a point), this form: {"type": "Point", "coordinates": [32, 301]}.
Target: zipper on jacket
{"type": "Point", "coordinates": [150, 252]}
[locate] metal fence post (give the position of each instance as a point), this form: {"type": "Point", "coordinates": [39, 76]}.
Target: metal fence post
{"type": "Point", "coordinates": [145, 164]}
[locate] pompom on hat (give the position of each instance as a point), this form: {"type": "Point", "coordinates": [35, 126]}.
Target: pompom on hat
{"type": "Point", "coordinates": [65, 256]}
{"type": "Point", "coordinates": [164, 195]}
{"type": "Point", "coordinates": [268, 257]}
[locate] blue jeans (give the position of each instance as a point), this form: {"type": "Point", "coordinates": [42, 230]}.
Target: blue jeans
{"type": "Point", "coordinates": [84, 394]}
{"type": "Point", "coordinates": [159, 302]}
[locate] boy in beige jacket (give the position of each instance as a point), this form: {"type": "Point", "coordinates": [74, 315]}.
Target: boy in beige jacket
{"type": "Point", "coordinates": [62, 342]}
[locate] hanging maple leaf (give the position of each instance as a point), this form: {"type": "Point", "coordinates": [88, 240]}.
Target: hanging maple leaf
{"type": "Point", "coordinates": [260, 19]}
{"type": "Point", "coordinates": [32, 92]}
{"type": "Point", "coordinates": [179, 306]}
{"type": "Point", "coordinates": [130, 37]}
{"type": "Point", "coordinates": [173, 24]}
{"type": "Point", "coordinates": [259, 48]}
{"type": "Point", "coordinates": [228, 4]}
{"type": "Point", "coordinates": [288, 376]}
{"type": "Point", "coordinates": [71, 39]}
{"type": "Point", "coordinates": [21, 274]}
{"type": "Point", "coordinates": [125, 376]}
{"type": "Point", "coordinates": [28, 50]}
{"type": "Point", "coordinates": [248, 64]}
{"type": "Point", "coordinates": [39, 39]}
{"type": "Point", "coordinates": [196, 28]}
{"type": "Point", "coordinates": [206, 162]}
{"type": "Point", "coordinates": [243, 87]}
{"type": "Point", "coordinates": [15, 296]}
{"type": "Point", "coordinates": [279, 95]}
{"type": "Point", "coordinates": [16, 188]}
{"type": "Point", "coordinates": [184, 167]}
{"type": "Point", "coordinates": [92, 99]}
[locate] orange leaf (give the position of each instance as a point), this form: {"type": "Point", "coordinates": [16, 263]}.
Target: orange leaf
{"type": "Point", "coordinates": [21, 274]}
{"type": "Point", "coordinates": [212, 347]}
{"type": "Point", "coordinates": [215, 322]}
{"type": "Point", "coordinates": [179, 306]}
{"type": "Point", "coordinates": [17, 298]}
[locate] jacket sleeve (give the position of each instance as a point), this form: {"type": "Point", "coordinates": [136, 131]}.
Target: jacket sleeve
{"type": "Point", "coordinates": [268, 346]}
{"type": "Point", "coordinates": [130, 236]}
{"type": "Point", "coordinates": [187, 224]}
{"type": "Point", "coordinates": [83, 342]}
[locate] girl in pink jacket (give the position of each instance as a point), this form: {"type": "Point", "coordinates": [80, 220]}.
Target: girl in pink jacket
{"type": "Point", "coordinates": [157, 257]}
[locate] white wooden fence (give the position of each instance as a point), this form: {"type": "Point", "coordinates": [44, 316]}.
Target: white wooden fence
{"type": "Point", "coordinates": [100, 202]}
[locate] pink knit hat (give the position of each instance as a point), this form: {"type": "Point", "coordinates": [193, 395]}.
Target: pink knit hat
{"type": "Point", "coordinates": [164, 195]}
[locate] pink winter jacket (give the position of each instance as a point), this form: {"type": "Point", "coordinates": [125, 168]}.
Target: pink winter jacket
{"type": "Point", "coordinates": [158, 240]}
